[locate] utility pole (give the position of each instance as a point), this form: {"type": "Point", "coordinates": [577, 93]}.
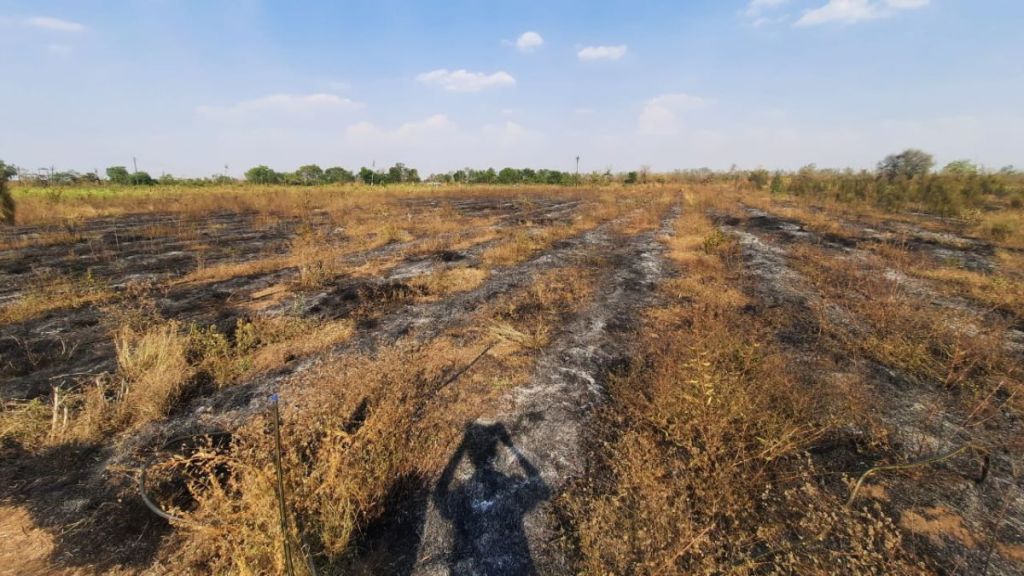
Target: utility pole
{"type": "Point", "coordinates": [135, 165]}
{"type": "Point", "coordinates": [577, 170]}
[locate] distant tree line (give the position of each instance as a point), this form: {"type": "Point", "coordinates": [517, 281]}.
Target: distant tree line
{"type": "Point", "coordinates": [900, 181]}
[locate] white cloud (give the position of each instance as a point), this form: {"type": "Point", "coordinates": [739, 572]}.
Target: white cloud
{"type": "Point", "coordinates": [757, 7]}
{"type": "Point", "coordinates": [758, 12]}
{"type": "Point", "coordinates": [55, 24]}
{"type": "Point", "coordinates": [507, 133]}
{"type": "Point", "coordinates": [288, 103]}
{"type": "Point", "coordinates": [590, 53]}
{"type": "Point", "coordinates": [854, 11]}
{"type": "Point", "coordinates": [660, 115]}
{"type": "Point", "coordinates": [529, 41]}
{"type": "Point", "coordinates": [407, 134]}
{"type": "Point", "coordinates": [465, 81]}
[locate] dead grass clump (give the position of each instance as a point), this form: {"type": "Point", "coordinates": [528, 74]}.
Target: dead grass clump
{"type": "Point", "coordinates": [154, 371]}
{"type": "Point", "coordinates": [449, 281]}
{"type": "Point", "coordinates": [529, 319]}
{"type": "Point", "coordinates": [519, 246]}
{"type": "Point", "coordinates": [153, 377]}
{"type": "Point", "coordinates": [24, 424]}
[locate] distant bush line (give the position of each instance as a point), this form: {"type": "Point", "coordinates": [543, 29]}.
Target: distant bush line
{"type": "Point", "coordinates": [900, 181]}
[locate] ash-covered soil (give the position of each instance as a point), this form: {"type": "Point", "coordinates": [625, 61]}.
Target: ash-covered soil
{"type": "Point", "coordinates": [85, 492]}
{"type": "Point", "coordinates": [961, 513]}
{"type": "Point", "coordinates": [489, 510]}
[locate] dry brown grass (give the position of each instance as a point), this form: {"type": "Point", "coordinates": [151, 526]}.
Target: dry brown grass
{"type": "Point", "coordinates": [448, 281]}
{"type": "Point", "coordinates": [936, 345]}
{"type": "Point", "coordinates": [51, 292]}
{"type": "Point", "coordinates": [357, 427]}
{"type": "Point", "coordinates": [699, 463]}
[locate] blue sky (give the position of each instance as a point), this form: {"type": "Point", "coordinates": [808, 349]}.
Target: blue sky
{"type": "Point", "coordinates": [190, 86]}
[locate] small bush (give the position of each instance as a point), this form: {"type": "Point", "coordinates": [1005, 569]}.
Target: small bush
{"type": "Point", "coordinates": [6, 200]}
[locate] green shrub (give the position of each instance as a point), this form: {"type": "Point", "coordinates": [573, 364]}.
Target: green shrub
{"type": "Point", "coordinates": [6, 200]}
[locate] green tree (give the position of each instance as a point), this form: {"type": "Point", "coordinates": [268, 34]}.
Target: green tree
{"type": "Point", "coordinates": [338, 175]}
{"type": "Point", "coordinates": [262, 175]}
{"type": "Point", "coordinates": [400, 173]}
{"type": "Point", "coordinates": [960, 168]}
{"type": "Point", "coordinates": [141, 179]}
{"type": "Point", "coordinates": [906, 165]}
{"type": "Point", "coordinates": [310, 174]}
{"type": "Point", "coordinates": [759, 178]}
{"type": "Point", "coordinates": [119, 175]}
{"type": "Point", "coordinates": [778, 185]}
{"type": "Point", "coordinates": [509, 176]}
{"type": "Point", "coordinates": [6, 199]}
{"type": "Point", "coordinates": [368, 176]}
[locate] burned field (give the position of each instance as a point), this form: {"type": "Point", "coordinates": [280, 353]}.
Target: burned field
{"type": "Point", "coordinates": [651, 380]}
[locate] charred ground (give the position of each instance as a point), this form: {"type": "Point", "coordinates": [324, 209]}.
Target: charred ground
{"type": "Point", "coordinates": [678, 379]}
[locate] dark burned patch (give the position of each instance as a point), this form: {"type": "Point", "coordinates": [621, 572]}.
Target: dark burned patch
{"type": "Point", "coordinates": [351, 296]}
{"type": "Point", "coordinates": [113, 250]}
{"type": "Point", "coordinates": [390, 543]}
{"type": "Point", "coordinates": [96, 518]}
{"type": "Point", "coordinates": [448, 256]}
{"type": "Point", "coordinates": [53, 350]}
{"type": "Point", "coordinates": [720, 219]}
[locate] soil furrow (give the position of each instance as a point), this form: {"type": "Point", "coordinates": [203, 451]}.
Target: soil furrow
{"type": "Point", "coordinates": [496, 521]}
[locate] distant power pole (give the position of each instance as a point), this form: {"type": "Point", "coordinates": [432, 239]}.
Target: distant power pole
{"type": "Point", "coordinates": [577, 170]}
{"type": "Point", "coordinates": [135, 165]}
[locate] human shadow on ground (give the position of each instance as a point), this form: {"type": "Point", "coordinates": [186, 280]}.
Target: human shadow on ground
{"type": "Point", "coordinates": [487, 510]}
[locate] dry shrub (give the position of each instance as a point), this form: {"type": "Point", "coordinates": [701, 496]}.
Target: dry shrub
{"type": "Point", "coordinates": [1002, 290]}
{"type": "Point", "coordinates": [366, 423]}
{"type": "Point", "coordinates": [24, 424]}
{"type": "Point", "coordinates": [261, 344]}
{"type": "Point", "coordinates": [450, 280]}
{"type": "Point", "coordinates": [355, 427]}
{"type": "Point", "coordinates": [154, 371]}
{"type": "Point", "coordinates": [519, 246]}
{"type": "Point", "coordinates": [153, 377]}
{"type": "Point", "coordinates": [699, 460]}
{"type": "Point", "coordinates": [942, 345]}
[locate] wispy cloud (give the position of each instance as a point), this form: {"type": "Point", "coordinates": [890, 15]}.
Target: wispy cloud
{"type": "Point", "coordinates": [759, 12]}
{"type": "Point", "coordinates": [365, 133]}
{"type": "Point", "coordinates": [591, 53]}
{"type": "Point", "coordinates": [466, 81]}
{"type": "Point", "coordinates": [854, 11]}
{"type": "Point", "coordinates": [660, 115]}
{"type": "Point", "coordinates": [54, 24]}
{"type": "Point", "coordinates": [288, 103]}
{"type": "Point", "coordinates": [529, 41]}
{"type": "Point", "coordinates": [758, 7]}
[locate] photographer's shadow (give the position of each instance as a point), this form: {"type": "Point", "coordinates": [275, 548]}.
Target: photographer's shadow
{"type": "Point", "coordinates": [487, 510]}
